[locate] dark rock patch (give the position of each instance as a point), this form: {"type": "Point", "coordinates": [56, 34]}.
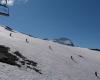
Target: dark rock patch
{"type": "Point", "coordinates": [7, 57]}
{"type": "Point", "coordinates": [17, 59]}
{"type": "Point", "coordinates": [19, 55]}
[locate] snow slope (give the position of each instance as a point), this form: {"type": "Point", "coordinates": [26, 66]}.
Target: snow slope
{"type": "Point", "coordinates": [44, 60]}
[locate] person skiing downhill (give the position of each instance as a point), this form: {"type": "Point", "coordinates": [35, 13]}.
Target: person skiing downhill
{"type": "Point", "coordinates": [10, 34]}
{"type": "Point", "coordinates": [27, 41]}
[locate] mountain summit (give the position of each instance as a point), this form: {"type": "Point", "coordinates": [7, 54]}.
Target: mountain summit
{"type": "Point", "coordinates": [64, 41]}
{"type": "Point", "coordinates": [23, 57]}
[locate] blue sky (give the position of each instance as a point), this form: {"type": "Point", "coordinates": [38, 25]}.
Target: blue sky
{"type": "Point", "coordinates": [78, 20]}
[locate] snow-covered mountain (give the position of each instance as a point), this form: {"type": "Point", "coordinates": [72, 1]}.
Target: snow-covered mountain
{"type": "Point", "coordinates": [27, 58]}
{"type": "Point", "coordinates": [95, 49]}
{"type": "Point", "coordinates": [62, 40]}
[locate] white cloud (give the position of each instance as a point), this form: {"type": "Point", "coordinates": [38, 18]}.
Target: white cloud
{"type": "Point", "coordinates": [9, 2]}
{"type": "Point", "coordinates": [12, 2]}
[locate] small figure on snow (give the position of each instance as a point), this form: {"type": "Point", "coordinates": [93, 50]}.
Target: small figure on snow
{"type": "Point", "coordinates": [27, 41]}
{"type": "Point", "coordinates": [96, 74]}
{"type": "Point", "coordinates": [50, 47]}
{"type": "Point", "coordinates": [10, 34]}
{"type": "Point", "coordinates": [73, 59]}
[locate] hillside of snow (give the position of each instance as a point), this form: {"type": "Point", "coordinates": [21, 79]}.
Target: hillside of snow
{"type": "Point", "coordinates": [27, 58]}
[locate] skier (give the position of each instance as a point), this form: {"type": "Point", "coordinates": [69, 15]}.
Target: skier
{"type": "Point", "coordinates": [50, 47]}
{"type": "Point", "coordinates": [96, 74]}
{"type": "Point", "coordinates": [10, 34]}
{"type": "Point", "coordinates": [27, 41]}
{"type": "Point", "coordinates": [73, 59]}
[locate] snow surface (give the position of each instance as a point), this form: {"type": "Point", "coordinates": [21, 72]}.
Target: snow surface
{"type": "Point", "coordinates": [56, 61]}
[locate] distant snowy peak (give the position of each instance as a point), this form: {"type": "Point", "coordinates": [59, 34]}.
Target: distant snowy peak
{"type": "Point", "coordinates": [62, 40]}
{"type": "Point", "coordinates": [95, 49]}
